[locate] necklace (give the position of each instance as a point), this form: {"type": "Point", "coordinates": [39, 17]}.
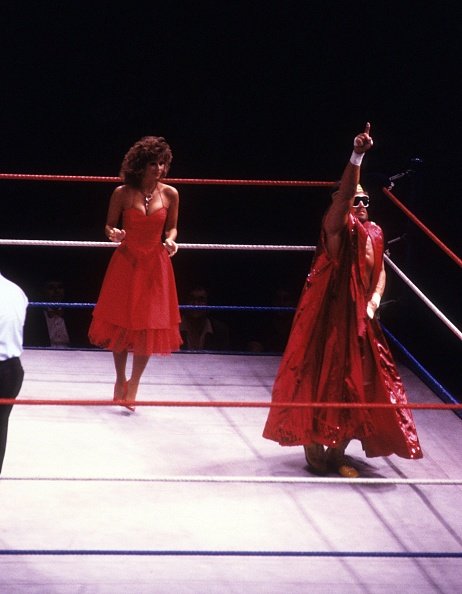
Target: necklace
{"type": "Point", "coordinates": [148, 198]}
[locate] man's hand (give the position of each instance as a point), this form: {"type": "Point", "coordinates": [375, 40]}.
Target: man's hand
{"type": "Point", "coordinates": [363, 141]}
{"type": "Point", "coordinates": [373, 305]}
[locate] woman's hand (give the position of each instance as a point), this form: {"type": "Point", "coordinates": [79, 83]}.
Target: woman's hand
{"type": "Point", "coordinates": [171, 247]}
{"type": "Point", "coordinates": [116, 235]}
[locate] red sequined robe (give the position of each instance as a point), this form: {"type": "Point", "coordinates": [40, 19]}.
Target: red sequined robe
{"type": "Point", "coordinates": [331, 345]}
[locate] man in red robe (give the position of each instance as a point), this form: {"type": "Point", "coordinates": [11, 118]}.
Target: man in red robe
{"type": "Point", "coordinates": [336, 351]}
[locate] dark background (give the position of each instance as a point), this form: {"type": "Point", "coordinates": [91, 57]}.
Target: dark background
{"type": "Point", "coordinates": [257, 90]}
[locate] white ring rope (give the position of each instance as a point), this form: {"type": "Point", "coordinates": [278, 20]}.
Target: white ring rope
{"type": "Point", "coordinates": [184, 246]}
{"type": "Point", "coordinates": [246, 247]}
{"type": "Point", "coordinates": [425, 299]}
{"type": "Point", "coordinates": [247, 479]}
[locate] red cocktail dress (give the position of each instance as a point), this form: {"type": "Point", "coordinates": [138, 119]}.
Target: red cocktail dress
{"type": "Point", "coordinates": [137, 309]}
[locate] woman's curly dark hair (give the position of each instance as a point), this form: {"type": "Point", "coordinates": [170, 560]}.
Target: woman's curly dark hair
{"type": "Point", "coordinates": [144, 151]}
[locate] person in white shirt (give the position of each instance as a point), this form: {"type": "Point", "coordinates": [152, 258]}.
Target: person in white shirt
{"type": "Point", "coordinates": [13, 306]}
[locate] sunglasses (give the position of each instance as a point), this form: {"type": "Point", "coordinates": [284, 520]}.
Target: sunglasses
{"type": "Point", "coordinates": [363, 199]}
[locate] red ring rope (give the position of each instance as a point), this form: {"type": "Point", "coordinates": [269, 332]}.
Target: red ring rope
{"type": "Point", "coordinates": [230, 182]}
{"type": "Point", "coordinates": [230, 404]}
{"type": "Point", "coordinates": [173, 180]}
{"type": "Point", "coordinates": [425, 229]}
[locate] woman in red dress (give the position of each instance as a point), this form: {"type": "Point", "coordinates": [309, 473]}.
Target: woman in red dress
{"type": "Point", "coordinates": [137, 309]}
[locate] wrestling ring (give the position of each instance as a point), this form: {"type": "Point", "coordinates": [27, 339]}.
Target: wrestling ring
{"type": "Point", "coordinates": [184, 495]}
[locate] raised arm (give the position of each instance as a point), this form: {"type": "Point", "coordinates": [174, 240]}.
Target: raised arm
{"type": "Point", "coordinates": [342, 199]}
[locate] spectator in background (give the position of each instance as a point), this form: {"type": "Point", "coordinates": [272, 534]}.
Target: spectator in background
{"type": "Point", "coordinates": [273, 331]}
{"type": "Point", "coordinates": [199, 330]}
{"type": "Point", "coordinates": [54, 326]}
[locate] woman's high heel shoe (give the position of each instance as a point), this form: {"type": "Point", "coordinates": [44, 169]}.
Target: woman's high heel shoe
{"type": "Point", "coordinates": [125, 397]}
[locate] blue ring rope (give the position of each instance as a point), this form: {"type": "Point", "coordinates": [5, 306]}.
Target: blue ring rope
{"type": "Point", "coordinates": [69, 305]}
{"type": "Point", "coordinates": [422, 373]}
{"type": "Point", "coordinates": [414, 365]}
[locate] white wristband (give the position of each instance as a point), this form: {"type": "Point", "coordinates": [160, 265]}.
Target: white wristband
{"type": "Point", "coordinates": [356, 158]}
{"type": "Point", "coordinates": [376, 298]}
